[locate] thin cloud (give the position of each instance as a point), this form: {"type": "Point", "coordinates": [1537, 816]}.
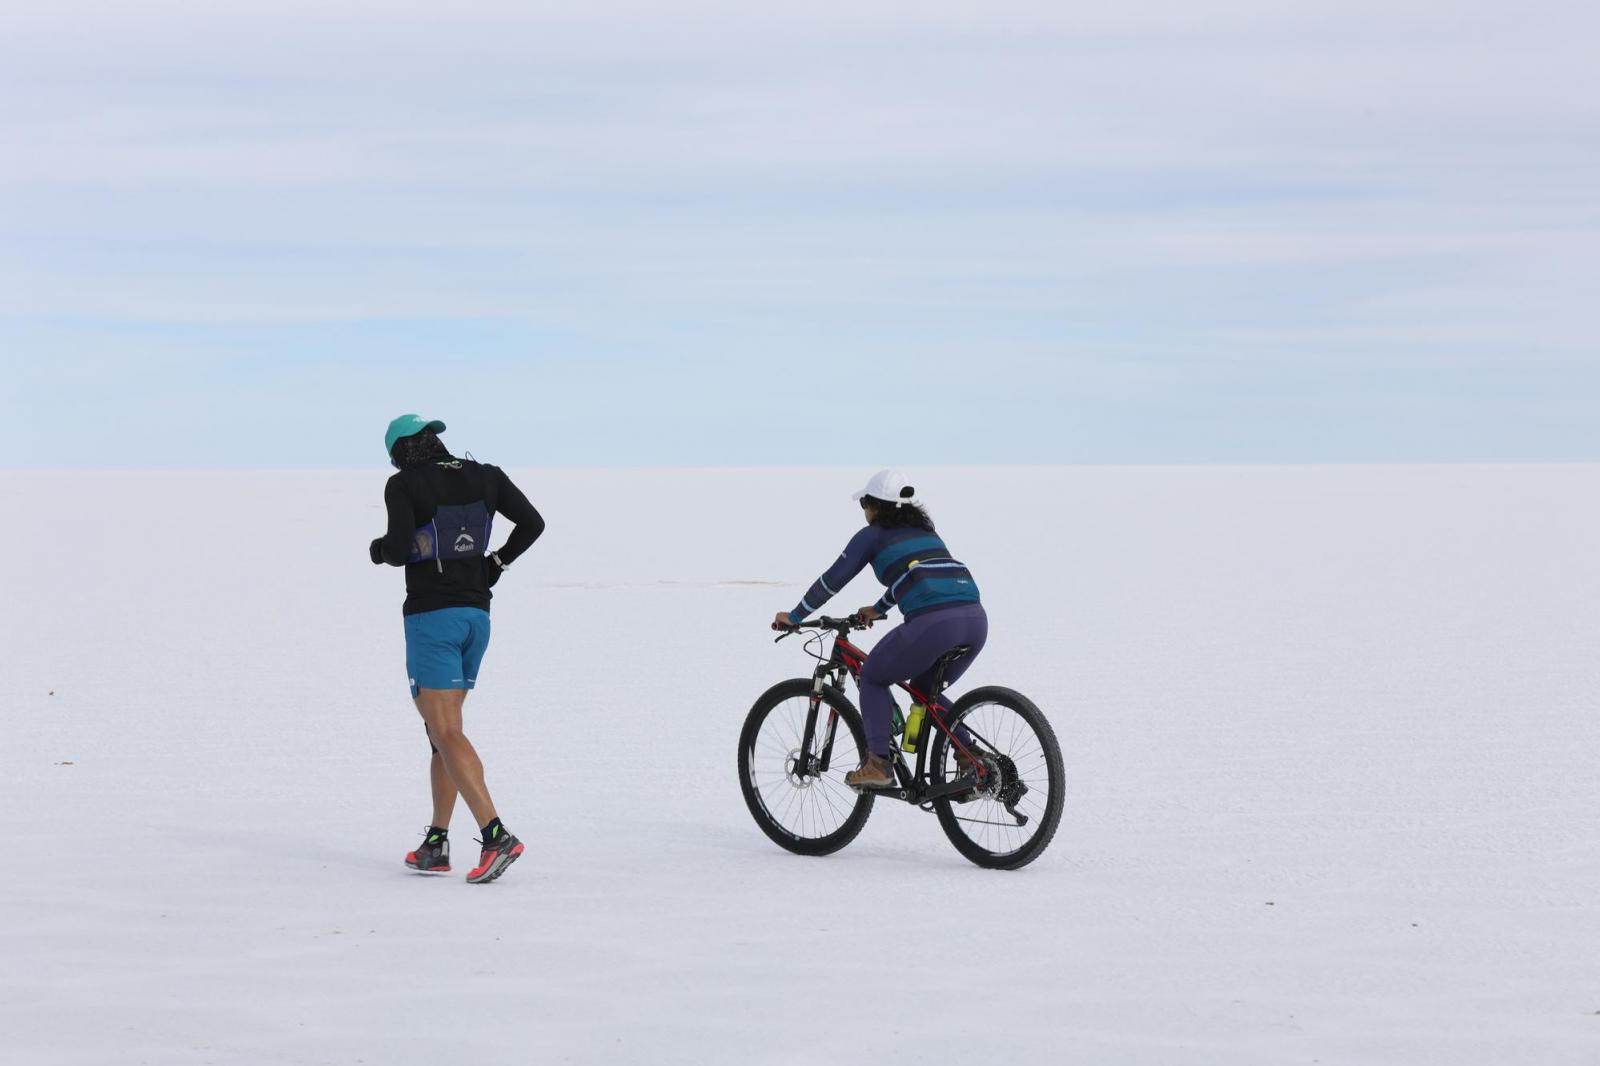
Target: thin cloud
{"type": "Point", "coordinates": [1079, 196]}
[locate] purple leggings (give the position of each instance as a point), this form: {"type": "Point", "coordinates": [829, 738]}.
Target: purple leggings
{"type": "Point", "coordinates": [909, 651]}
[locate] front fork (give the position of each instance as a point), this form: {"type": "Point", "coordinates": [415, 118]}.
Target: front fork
{"type": "Point", "coordinates": [816, 765]}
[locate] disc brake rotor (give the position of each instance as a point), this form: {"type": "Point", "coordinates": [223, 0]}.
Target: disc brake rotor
{"type": "Point", "coordinates": [791, 770]}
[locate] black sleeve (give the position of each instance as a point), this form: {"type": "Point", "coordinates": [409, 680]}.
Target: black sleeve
{"type": "Point", "coordinates": [514, 505]}
{"type": "Point", "coordinates": [402, 518]}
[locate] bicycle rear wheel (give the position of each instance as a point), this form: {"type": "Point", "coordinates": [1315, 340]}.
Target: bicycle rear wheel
{"type": "Point", "coordinates": [1023, 776]}
{"type": "Point", "coordinates": [798, 803]}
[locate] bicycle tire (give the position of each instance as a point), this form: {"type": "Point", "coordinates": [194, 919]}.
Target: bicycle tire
{"type": "Point", "coordinates": [829, 796]}
{"type": "Point", "coordinates": [952, 814]}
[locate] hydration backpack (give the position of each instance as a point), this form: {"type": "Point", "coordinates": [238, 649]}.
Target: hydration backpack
{"type": "Point", "coordinates": [458, 531]}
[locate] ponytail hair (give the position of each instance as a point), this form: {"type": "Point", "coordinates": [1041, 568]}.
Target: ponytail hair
{"type": "Point", "coordinates": [901, 515]}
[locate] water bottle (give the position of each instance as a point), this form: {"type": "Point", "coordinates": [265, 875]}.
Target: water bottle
{"type": "Point", "coordinates": [897, 723]}
{"type": "Point", "coordinates": [913, 728]}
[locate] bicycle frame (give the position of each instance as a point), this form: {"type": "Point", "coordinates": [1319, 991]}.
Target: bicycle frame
{"type": "Point", "coordinates": [847, 660]}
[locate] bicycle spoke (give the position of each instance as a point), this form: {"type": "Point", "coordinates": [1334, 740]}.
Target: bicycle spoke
{"type": "Point", "coordinates": [809, 805]}
{"type": "Point", "coordinates": [999, 731]}
{"type": "Point", "coordinates": [833, 806]}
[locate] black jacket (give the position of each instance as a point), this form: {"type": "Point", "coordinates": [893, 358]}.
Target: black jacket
{"type": "Point", "coordinates": [413, 495]}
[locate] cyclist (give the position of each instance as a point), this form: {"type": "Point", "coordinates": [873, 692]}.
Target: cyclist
{"type": "Point", "coordinates": [439, 512]}
{"type": "Point", "coordinates": [934, 592]}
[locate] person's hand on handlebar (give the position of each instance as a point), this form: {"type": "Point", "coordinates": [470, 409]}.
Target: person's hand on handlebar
{"type": "Point", "coordinates": [869, 615]}
{"type": "Point", "coordinates": [782, 622]}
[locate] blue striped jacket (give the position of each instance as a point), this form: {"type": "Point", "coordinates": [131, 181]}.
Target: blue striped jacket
{"type": "Point", "coordinates": [913, 565]}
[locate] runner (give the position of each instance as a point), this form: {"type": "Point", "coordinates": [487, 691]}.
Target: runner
{"type": "Point", "coordinates": [440, 512]}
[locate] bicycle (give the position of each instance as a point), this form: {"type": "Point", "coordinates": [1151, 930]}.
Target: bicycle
{"type": "Point", "coordinates": [989, 761]}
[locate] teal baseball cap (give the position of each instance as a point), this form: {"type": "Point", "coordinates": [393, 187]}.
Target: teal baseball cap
{"type": "Point", "coordinates": [408, 426]}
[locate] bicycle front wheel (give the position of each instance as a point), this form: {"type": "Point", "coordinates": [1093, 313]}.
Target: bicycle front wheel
{"type": "Point", "coordinates": [1008, 818]}
{"type": "Point", "coordinates": [796, 793]}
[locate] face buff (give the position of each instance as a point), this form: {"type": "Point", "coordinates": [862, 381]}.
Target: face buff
{"type": "Point", "coordinates": [420, 449]}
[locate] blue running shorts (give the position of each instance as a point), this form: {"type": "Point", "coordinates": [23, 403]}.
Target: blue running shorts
{"type": "Point", "coordinates": [445, 647]}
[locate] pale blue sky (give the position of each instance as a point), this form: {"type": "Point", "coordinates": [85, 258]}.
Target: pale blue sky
{"type": "Point", "coordinates": [714, 233]}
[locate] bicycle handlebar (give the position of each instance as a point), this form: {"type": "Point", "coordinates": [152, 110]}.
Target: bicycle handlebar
{"type": "Point", "coordinates": [841, 626]}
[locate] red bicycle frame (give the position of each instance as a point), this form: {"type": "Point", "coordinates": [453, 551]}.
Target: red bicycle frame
{"type": "Point", "coordinates": [846, 658]}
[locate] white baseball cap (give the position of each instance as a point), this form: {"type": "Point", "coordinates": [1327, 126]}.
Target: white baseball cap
{"type": "Point", "coordinates": [889, 486]}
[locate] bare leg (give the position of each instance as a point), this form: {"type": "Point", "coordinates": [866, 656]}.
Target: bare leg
{"type": "Point", "coordinates": [444, 792]}
{"type": "Point", "coordinates": [441, 710]}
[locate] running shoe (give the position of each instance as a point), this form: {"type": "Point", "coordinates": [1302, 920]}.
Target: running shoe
{"type": "Point", "coordinates": [498, 853]}
{"type": "Point", "coordinates": [432, 855]}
